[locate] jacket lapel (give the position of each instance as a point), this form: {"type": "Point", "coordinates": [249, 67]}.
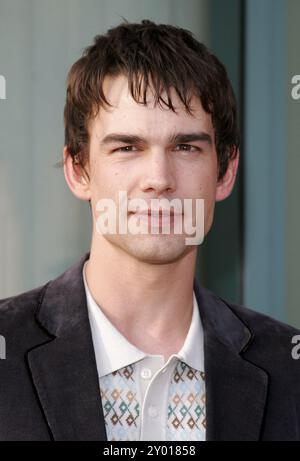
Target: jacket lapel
{"type": "Point", "coordinates": [236, 389]}
{"type": "Point", "coordinates": [63, 367]}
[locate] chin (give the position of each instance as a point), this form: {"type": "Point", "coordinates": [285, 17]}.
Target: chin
{"type": "Point", "coordinates": [158, 250]}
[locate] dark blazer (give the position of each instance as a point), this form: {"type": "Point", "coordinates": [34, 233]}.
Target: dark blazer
{"type": "Point", "coordinates": [49, 387]}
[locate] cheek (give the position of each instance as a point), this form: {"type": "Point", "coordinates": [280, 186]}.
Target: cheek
{"type": "Point", "coordinates": [208, 179]}
{"type": "Point", "coordinates": [108, 182]}
{"type": "Point", "coordinates": [200, 183]}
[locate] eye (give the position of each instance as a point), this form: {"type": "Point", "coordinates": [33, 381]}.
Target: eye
{"type": "Point", "coordinates": [125, 149]}
{"type": "Point", "coordinates": [188, 148]}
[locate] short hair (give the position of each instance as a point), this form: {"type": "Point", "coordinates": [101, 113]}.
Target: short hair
{"type": "Point", "coordinates": [158, 55]}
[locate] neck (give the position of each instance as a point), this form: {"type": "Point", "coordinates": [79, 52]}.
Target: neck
{"type": "Point", "coordinates": [150, 304]}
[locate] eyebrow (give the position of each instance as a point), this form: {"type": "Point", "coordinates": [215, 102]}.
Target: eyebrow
{"type": "Point", "coordinates": [176, 138]}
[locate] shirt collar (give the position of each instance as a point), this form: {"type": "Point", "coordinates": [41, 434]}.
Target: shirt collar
{"type": "Point", "coordinates": [113, 351]}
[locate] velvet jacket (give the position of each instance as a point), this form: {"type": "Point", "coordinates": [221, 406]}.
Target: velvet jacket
{"type": "Point", "coordinates": [49, 388]}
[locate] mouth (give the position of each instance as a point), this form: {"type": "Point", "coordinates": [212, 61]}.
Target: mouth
{"type": "Point", "coordinates": [156, 214]}
{"type": "Point", "coordinates": [159, 218]}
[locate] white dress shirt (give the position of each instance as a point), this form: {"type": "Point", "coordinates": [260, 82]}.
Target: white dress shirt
{"type": "Point", "coordinates": [161, 400]}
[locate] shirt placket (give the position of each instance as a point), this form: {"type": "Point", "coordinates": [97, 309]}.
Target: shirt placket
{"type": "Point", "coordinates": [154, 378]}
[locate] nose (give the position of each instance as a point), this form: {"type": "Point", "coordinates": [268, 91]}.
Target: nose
{"type": "Point", "coordinates": [159, 174]}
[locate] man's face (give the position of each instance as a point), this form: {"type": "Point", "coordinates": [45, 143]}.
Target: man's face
{"type": "Point", "coordinates": [155, 166]}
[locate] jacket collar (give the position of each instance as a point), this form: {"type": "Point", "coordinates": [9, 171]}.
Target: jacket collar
{"type": "Point", "coordinates": [64, 368]}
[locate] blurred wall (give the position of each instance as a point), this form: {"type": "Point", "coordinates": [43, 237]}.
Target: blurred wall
{"type": "Point", "coordinates": [292, 149]}
{"type": "Point", "coordinates": [265, 156]}
{"type": "Point", "coordinates": [272, 161]}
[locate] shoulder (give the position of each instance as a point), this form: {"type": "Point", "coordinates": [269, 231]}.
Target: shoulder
{"type": "Point", "coordinates": [274, 345]}
{"type": "Point", "coordinates": [260, 323]}
{"type": "Point", "coordinates": [17, 310]}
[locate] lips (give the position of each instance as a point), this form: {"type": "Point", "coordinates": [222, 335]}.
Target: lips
{"type": "Point", "coordinates": [157, 214]}
{"type": "Point", "coordinates": [159, 220]}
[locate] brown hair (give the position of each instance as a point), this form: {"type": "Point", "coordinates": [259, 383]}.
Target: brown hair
{"type": "Point", "coordinates": [159, 55]}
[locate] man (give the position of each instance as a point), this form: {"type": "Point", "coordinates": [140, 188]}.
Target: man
{"type": "Point", "coordinates": [125, 345]}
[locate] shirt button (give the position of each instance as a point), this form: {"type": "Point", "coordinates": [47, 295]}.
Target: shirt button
{"type": "Point", "coordinates": [146, 373]}
{"type": "Point", "coordinates": [152, 412]}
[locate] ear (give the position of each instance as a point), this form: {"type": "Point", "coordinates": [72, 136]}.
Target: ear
{"type": "Point", "coordinates": [225, 185]}
{"type": "Point", "coordinates": [76, 178]}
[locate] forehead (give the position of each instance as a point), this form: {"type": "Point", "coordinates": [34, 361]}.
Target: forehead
{"type": "Point", "coordinates": [150, 119]}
